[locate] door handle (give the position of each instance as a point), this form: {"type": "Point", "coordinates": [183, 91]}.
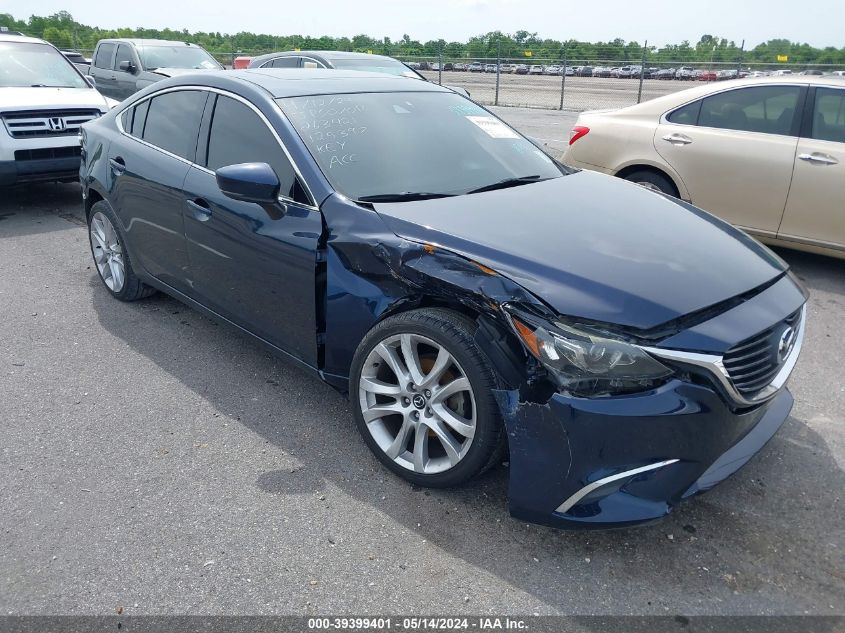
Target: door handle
{"type": "Point", "coordinates": [117, 165]}
{"type": "Point", "coordinates": [819, 158]}
{"type": "Point", "coordinates": [678, 139]}
{"type": "Point", "coordinates": [200, 209]}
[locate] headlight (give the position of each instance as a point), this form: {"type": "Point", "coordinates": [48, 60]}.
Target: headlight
{"type": "Point", "coordinates": [586, 363]}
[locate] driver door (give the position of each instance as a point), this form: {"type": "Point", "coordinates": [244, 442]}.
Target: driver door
{"type": "Point", "coordinates": [253, 269]}
{"type": "Point", "coordinates": [125, 81]}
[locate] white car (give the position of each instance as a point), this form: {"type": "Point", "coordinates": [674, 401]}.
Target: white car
{"type": "Point", "coordinates": [44, 99]}
{"type": "Point", "coordinates": [552, 70]}
{"type": "Point", "coordinates": [536, 69]}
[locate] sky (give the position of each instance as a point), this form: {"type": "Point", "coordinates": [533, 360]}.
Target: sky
{"type": "Point", "coordinates": [819, 23]}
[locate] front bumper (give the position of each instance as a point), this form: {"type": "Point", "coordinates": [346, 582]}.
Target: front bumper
{"type": "Point", "coordinates": [39, 170]}
{"type": "Point", "coordinates": [611, 462]}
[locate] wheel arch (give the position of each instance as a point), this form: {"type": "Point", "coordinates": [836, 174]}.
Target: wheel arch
{"type": "Point", "coordinates": [680, 190]}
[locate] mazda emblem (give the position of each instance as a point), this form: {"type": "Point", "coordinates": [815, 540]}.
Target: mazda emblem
{"type": "Point", "coordinates": [787, 342]}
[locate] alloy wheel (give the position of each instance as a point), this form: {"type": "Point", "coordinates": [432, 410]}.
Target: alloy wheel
{"type": "Point", "coordinates": [417, 403]}
{"type": "Point", "coordinates": [108, 252]}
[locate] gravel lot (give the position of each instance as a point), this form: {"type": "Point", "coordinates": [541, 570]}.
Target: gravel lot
{"type": "Point", "coordinates": [543, 91]}
{"type": "Point", "coordinates": [156, 461]}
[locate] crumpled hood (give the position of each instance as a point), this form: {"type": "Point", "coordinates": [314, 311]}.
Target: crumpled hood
{"type": "Point", "coordinates": [27, 98]}
{"type": "Point", "coordinates": [595, 247]}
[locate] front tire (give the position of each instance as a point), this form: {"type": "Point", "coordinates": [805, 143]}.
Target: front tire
{"type": "Point", "coordinates": [110, 256]}
{"type": "Point", "coordinates": [653, 181]}
{"type": "Point", "coordinates": [422, 398]}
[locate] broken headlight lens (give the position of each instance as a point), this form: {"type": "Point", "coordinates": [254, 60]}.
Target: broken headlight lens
{"type": "Point", "coordinates": [585, 363]}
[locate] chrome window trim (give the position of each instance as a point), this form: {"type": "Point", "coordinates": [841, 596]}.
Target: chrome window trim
{"type": "Point", "coordinates": [714, 364]}
{"type": "Point", "coordinates": [119, 123]}
{"type": "Point", "coordinates": [573, 500]}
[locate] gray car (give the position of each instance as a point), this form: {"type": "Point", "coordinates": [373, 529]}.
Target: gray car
{"type": "Point", "coordinates": [122, 67]}
{"type": "Point", "coordinates": [343, 60]}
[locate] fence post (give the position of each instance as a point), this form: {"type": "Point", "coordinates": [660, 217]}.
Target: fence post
{"type": "Point", "coordinates": [498, 65]}
{"type": "Point", "coordinates": [642, 74]}
{"type": "Point", "coordinates": [440, 65]}
{"type": "Point", "coordinates": [562, 78]}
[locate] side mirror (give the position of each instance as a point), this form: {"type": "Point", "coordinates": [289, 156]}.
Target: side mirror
{"type": "Point", "coordinates": [127, 67]}
{"type": "Point", "coordinates": [251, 182]}
{"type": "Point", "coordinates": [91, 81]}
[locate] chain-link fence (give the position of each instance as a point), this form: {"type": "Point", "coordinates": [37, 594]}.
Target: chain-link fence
{"type": "Point", "coordinates": [579, 85]}
{"type": "Point", "coordinates": [570, 84]}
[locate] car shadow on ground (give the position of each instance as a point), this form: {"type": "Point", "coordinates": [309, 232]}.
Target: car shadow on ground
{"type": "Point", "coordinates": [33, 201]}
{"type": "Point", "coordinates": [754, 533]}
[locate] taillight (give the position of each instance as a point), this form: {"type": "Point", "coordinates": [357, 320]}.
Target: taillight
{"type": "Point", "coordinates": [577, 132]}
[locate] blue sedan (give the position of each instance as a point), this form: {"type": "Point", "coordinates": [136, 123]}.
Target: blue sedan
{"type": "Point", "coordinates": [472, 296]}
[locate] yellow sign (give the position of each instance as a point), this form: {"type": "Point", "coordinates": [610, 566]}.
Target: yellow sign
{"type": "Point", "coordinates": [783, 58]}
{"type": "Point", "coordinates": [370, 52]}
{"type": "Point", "coordinates": [528, 54]}
{"type": "Point", "coordinates": [297, 49]}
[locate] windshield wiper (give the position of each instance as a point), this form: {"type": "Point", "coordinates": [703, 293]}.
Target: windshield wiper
{"type": "Point", "coordinates": [508, 182]}
{"type": "Point", "coordinates": [405, 196]}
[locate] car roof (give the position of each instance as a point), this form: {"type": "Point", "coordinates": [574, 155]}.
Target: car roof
{"type": "Point", "coordinates": [149, 42]}
{"type": "Point", "coordinates": [667, 102]}
{"type": "Point", "coordinates": [5, 37]}
{"type": "Point", "coordinates": [320, 54]}
{"type": "Point", "coordinates": [293, 82]}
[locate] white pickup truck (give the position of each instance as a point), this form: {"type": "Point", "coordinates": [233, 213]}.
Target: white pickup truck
{"type": "Point", "coordinates": [44, 99]}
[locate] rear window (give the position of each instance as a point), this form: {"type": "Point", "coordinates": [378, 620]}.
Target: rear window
{"type": "Point", "coordinates": [173, 121]}
{"type": "Point", "coordinates": [688, 115]}
{"type": "Point", "coordinates": [102, 58]}
{"type": "Point", "coordinates": [829, 115]}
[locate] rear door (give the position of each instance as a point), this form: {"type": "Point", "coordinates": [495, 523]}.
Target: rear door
{"type": "Point", "coordinates": [149, 170]}
{"type": "Point", "coordinates": [102, 69]}
{"type": "Point", "coordinates": [815, 209]}
{"type": "Point", "coordinates": [256, 270]}
{"type": "Point", "coordinates": [734, 151]}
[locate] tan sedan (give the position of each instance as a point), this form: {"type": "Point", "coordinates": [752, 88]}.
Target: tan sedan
{"type": "Point", "coordinates": [767, 155]}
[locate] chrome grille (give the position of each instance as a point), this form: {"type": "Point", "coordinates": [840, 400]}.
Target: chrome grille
{"type": "Point", "coordinates": [754, 362]}
{"type": "Point", "coordinates": [40, 123]}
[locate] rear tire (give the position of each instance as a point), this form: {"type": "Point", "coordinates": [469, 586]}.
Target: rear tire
{"type": "Point", "coordinates": [654, 181]}
{"type": "Point", "coordinates": [111, 259]}
{"type": "Point", "coordinates": [435, 442]}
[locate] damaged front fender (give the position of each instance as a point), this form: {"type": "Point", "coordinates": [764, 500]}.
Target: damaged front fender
{"type": "Point", "coordinates": [370, 274]}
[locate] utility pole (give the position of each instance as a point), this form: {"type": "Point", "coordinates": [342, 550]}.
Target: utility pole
{"type": "Point", "coordinates": [642, 73]}
{"type": "Point", "coordinates": [440, 64]}
{"type": "Point", "coordinates": [498, 64]}
{"type": "Point", "coordinates": [562, 77]}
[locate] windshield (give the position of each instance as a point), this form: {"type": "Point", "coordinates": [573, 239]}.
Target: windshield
{"type": "Point", "coordinates": [433, 143]}
{"type": "Point", "coordinates": [375, 65]}
{"type": "Point", "coordinates": [24, 64]}
{"type": "Point", "coordinates": [176, 56]}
